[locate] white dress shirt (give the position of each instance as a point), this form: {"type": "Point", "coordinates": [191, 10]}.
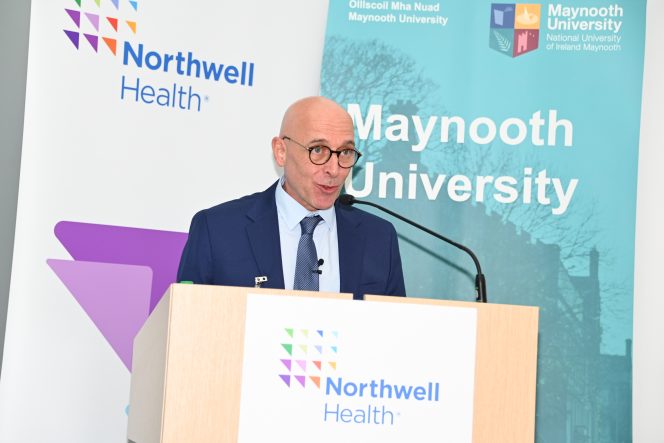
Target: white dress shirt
{"type": "Point", "coordinates": [290, 213]}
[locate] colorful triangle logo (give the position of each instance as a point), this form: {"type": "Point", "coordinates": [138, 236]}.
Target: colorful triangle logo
{"type": "Point", "coordinates": [302, 364]}
{"type": "Point", "coordinates": [316, 380]}
{"type": "Point", "coordinates": [301, 378]}
{"type": "Point", "coordinates": [94, 19]}
{"type": "Point", "coordinates": [304, 348]}
{"type": "Point", "coordinates": [111, 43]}
{"type": "Point", "coordinates": [320, 332]}
{"type": "Point", "coordinates": [116, 3]}
{"type": "Point", "coordinates": [114, 22]}
{"type": "Point", "coordinates": [73, 37]}
{"type": "Point", "coordinates": [286, 363]}
{"type": "Point", "coordinates": [134, 5]}
{"type": "Point", "coordinates": [289, 331]}
{"type": "Point", "coordinates": [305, 332]}
{"type": "Point", "coordinates": [316, 363]}
{"type": "Point", "coordinates": [93, 40]}
{"type": "Point", "coordinates": [333, 365]}
{"type": "Point", "coordinates": [78, 2]}
{"type": "Point", "coordinates": [75, 16]}
{"type": "Point", "coordinates": [319, 349]}
{"type": "Point", "coordinates": [288, 348]}
{"type": "Point", "coordinates": [132, 26]}
{"type": "Point", "coordinates": [286, 379]}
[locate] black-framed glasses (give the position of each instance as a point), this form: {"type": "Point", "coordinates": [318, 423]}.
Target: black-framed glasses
{"type": "Point", "coordinates": [321, 154]}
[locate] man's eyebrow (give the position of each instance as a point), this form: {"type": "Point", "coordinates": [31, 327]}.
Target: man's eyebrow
{"type": "Point", "coordinates": [327, 143]}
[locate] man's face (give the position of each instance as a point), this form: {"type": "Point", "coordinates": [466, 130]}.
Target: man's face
{"type": "Point", "coordinates": [314, 186]}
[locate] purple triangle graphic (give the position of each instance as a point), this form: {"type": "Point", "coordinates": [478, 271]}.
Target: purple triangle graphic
{"type": "Point", "coordinates": [115, 297]}
{"type": "Point", "coordinates": [286, 363]}
{"type": "Point", "coordinates": [116, 3]}
{"type": "Point", "coordinates": [302, 364]}
{"type": "Point", "coordinates": [301, 379]}
{"type": "Point", "coordinates": [94, 19]}
{"type": "Point", "coordinates": [319, 349]}
{"type": "Point", "coordinates": [320, 332]}
{"type": "Point", "coordinates": [93, 40]}
{"type": "Point", "coordinates": [73, 36]}
{"type": "Point", "coordinates": [159, 250]}
{"type": "Point", "coordinates": [286, 379]}
{"type": "Point", "coordinates": [134, 5]}
{"type": "Point", "coordinates": [75, 15]}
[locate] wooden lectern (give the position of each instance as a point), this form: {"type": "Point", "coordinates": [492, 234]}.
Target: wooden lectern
{"type": "Point", "coordinates": [189, 367]}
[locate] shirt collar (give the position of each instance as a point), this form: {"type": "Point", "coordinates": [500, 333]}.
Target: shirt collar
{"type": "Point", "coordinates": [293, 212]}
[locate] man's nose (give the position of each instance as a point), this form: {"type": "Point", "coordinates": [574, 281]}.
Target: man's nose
{"type": "Point", "coordinates": [332, 166]}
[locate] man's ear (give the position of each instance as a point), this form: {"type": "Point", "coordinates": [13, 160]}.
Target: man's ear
{"type": "Point", "coordinates": [279, 151]}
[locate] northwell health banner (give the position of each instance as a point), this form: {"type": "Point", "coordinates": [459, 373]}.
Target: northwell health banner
{"type": "Point", "coordinates": [512, 128]}
{"type": "Point", "coordinates": [139, 113]}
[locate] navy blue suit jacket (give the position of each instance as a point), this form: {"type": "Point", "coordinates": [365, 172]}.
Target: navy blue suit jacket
{"type": "Point", "coordinates": [234, 242]}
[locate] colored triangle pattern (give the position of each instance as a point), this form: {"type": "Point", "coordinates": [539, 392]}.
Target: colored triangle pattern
{"type": "Point", "coordinates": [111, 43]}
{"type": "Point", "coordinates": [305, 332]}
{"type": "Point", "coordinates": [316, 380]}
{"type": "Point", "coordinates": [301, 378]}
{"type": "Point", "coordinates": [304, 348]}
{"type": "Point", "coordinates": [98, 2]}
{"type": "Point", "coordinates": [116, 3]}
{"type": "Point", "coordinates": [73, 37]}
{"type": "Point", "coordinates": [288, 348]}
{"type": "Point", "coordinates": [319, 349]}
{"type": "Point", "coordinates": [335, 333]}
{"type": "Point", "coordinates": [286, 363]}
{"type": "Point", "coordinates": [286, 379]}
{"type": "Point", "coordinates": [94, 19]}
{"type": "Point", "coordinates": [116, 298]}
{"type": "Point", "coordinates": [75, 15]}
{"type": "Point", "coordinates": [134, 5]}
{"type": "Point", "coordinates": [334, 349]}
{"type": "Point", "coordinates": [333, 364]}
{"type": "Point", "coordinates": [320, 332]}
{"type": "Point", "coordinates": [159, 250]}
{"type": "Point", "coordinates": [93, 40]}
{"type": "Point", "coordinates": [316, 363]}
{"type": "Point", "coordinates": [302, 364]}
{"type": "Point", "coordinates": [289, 331]}
{"type": "Point", "coordinates": [78, 2]}
{"type": "Point", "coordinates": [132, 26]}
{"type": "Point", "coordinates": [114, 22]}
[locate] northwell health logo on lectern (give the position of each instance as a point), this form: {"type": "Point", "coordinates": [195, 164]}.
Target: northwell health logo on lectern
{"type": "Point", "coordinates": [308, 355]}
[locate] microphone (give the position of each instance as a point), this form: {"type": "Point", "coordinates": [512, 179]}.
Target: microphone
{"type": "Point", "coordinates": [318, 265]}
{"type": "Point", "coordinates": [480, 282]}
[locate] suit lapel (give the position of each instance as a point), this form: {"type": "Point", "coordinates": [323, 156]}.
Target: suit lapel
{"type": "Point", "coordinates": [263, 235]}
{"type": "Point", "coordinates": [351, 249]}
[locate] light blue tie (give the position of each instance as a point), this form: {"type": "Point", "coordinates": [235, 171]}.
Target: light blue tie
{"type": "Point", "coordinates": [306, 264]}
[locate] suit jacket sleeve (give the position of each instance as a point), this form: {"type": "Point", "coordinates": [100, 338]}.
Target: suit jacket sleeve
{"type": "Point", "coordinates": [196, 262]}
{"type": "Point", "coordinates": [395, 283]}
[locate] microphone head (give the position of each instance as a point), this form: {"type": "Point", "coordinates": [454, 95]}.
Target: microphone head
{"type": "Point", "coordinates": [346, 199]}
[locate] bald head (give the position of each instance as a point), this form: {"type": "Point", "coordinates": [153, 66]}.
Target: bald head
{"type": "Point", "coordinates": [312, 110]}
{"type": "Point", "coordinates": [308, 123]}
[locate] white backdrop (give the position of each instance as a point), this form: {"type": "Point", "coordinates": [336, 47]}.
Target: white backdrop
{"type": "Point", "coordinates": [89, 156]}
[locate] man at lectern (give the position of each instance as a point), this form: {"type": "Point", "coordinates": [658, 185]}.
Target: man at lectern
{"type": "Point", "coordinates": [293, 235]}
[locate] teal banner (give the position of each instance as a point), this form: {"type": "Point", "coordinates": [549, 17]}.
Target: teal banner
{"type": "Point", "coordinates": [512, 128]}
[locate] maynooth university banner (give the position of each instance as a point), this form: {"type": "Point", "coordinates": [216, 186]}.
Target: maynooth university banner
{"type": "Point", "coordinates": [512, 128]}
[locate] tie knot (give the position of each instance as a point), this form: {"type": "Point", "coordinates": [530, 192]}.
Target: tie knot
{"type": "Point", "coordinates": [308, 224]}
